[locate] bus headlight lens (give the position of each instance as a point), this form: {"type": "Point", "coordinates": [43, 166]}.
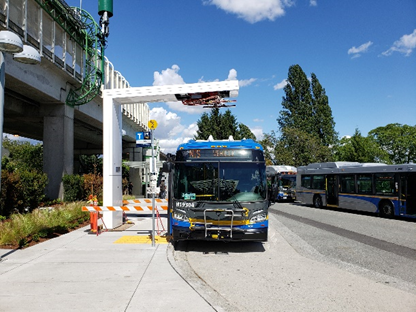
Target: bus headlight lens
{"type": "Point", "coordinates": [258, 218]}
{"type": "Point", "coordinates": [180, 216]}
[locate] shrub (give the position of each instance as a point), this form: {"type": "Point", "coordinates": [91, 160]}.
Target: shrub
{"type": "Point", "coordinates": [73, 187]}
{"type": "Point", "coordinates": [21, 188]}
{"type": "Point", "coordinates": [40, 223]}
{"type": "Point", "coordinates": [93, 184]}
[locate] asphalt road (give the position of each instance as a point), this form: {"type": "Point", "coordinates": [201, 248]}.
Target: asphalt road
{"type": "Point", "coordinates": [314, 260]}
{"type": "Point", "coordinates": [382, 249]}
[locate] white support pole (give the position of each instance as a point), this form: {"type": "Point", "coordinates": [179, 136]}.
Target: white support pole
{"type": "Point", "coordinates": [2, 82]}
{"type": "Point", "coordinates": [153, 190]}
{"type": "Point", "coordinates": [112, 169]}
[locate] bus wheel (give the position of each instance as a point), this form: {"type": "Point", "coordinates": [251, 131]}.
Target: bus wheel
{"type": "Point", "coordinates": [386, 209]}
{"type": "Point", "coordinates": [317, 201]}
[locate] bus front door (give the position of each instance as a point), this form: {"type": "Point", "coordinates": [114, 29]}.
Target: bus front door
{"type": "Point", "coordinates": [332, 190]}
{"type": "Point", "coordinates": [411, 194]}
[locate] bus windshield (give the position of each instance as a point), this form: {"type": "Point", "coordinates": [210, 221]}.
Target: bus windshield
{"type": "Point", "coordinates": [287, 182]}
{"type": "Point", "coordinates": [220, 181]}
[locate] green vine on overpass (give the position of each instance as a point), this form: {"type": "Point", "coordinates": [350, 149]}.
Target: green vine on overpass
{"type": "Point", "coordinates": [93, 74]}
{"type": "Point", "coordinates": [80, 25]}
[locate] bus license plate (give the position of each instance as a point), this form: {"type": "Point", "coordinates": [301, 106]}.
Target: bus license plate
{"type": "Point", "coordinates": [185, 205]}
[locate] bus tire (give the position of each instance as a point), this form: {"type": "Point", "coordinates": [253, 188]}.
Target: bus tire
{"type": "Point", "coordinates": [317, 201]}
{"type": "Point", "coordinates": [386, 209]}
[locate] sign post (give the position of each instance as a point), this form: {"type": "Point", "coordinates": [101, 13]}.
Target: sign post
{"type": "Point", "coordinates": [153, 125]}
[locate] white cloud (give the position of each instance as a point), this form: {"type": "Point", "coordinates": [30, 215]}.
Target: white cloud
{"type": "Point", "coordinates": [253, 11]}
{"type": "Point", "coordinates": [280, 85]}
{"type": "Point", "coordinates": [169, 124]}
{"type": "Point", "coordinates": [170, 131]}
{"type": "Point", "coordinates": [356, 52]}
{"type": "Point", "coordinates": [404, 45]}
{"type": "Point", "coordinates": [168, 76]}
{"type": "Point", "coordinates": [246, 82]}
{"type": "Point", "coordinates": [258, 132]}
{"type": "Point", "coordinates": [169, 145]}
{"type": "Point", "coordinates": [313, 2]}
{"type": "Point", "coordinates": [258, 120]}
{"type": "Point", "coordinates": [232, 74]}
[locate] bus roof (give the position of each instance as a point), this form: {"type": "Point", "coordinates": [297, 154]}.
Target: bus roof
{"type": "Point", "coordinates": [273, 170]}
{"type": "Point", "coordinates": [354, 167]}
{"type": "Point", "coordinates": [230, 143]}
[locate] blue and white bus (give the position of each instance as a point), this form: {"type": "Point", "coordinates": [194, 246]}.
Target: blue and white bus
{"type": "Point", "coordinates": [388, 190]}
{"type": "Point", "coordinates": [218, 191]}
{"type": "Point", "coordinates": [282, 180]}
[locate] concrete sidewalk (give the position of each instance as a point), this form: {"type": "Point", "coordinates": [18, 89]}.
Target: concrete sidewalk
{"type": "Point", "coordinates": [79, 271]}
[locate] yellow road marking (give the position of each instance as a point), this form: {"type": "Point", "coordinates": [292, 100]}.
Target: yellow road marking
{"type": "Point", "coordinates": [140, 239]}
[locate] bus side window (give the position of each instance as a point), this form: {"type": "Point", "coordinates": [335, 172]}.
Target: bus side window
{"type": "Point", "coordinates": [306, 181]}
{"type": "Point", "coordinates": [347, 184]}
{"type": "Point", "coordinates": [318, 182]}
{"type": "Point", "coordinates": [364, 182]}
{"type": "Point", "coordinates": [385, 184]}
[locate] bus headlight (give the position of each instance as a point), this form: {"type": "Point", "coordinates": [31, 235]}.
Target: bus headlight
{"type": "Point", "coordinates": [178, 215]}
{"type": "Point", "coordinates": [258, 218]}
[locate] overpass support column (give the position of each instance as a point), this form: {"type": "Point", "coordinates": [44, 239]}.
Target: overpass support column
{"type": "Point", "coordinates": [58, 146]}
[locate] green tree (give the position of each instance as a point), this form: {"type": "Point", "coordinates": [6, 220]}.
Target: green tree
{"type": "Point", "coordinates": [306, 118]}
{"type": "Point", "coordinates": [298, 148]}
{"type": "Point", "coordinates": [269, 143]}
{"type": "Point", "coordinates": [359, 149]}
{"type": "Point", "coordinates": [297, 109]}
{"type": "Point", "coordinates": [244, 132]}
{"type": "Point", "coordinates": [91, 164]}
{"type": "Point", "coordinates": [22, 180]}
{"type": "Point", "coordinates": [322, 114]}
{"type": "Point", "coordinates": [24, 155]}
{"type": "Point", "coordinates": [221, 126]}
{"type": "Point", "coordinates": [398, 141]}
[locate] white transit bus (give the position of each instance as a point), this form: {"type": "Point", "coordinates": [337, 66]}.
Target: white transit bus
{"type": "Point", "coordinates": [388, 190]}
{"type": "Point", "coordinates": [282, 181]}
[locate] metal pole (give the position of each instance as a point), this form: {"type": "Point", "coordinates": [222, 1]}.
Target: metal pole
{"type": "Point", "coordinates": [153, 191]}
{"type": "Point", "coordinates": [2, 82]}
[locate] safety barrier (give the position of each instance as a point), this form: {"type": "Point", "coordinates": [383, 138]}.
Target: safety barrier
{"type": "Point", "coordinates": [131, 205]}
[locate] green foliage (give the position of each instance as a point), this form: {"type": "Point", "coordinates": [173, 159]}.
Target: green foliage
{"type": "Point", "coordinates": [297, 103]}
{"type": "Point", "coordinates": [22, 180]}
{"type": "Point", "coordinates": [398, 141]}
{"type": "Point", "coordinates": [360, 149]}
{"type": "Point", "coordinates": [306, 124]}
{"type": "Point", "coordinates": [21, 228]}
{"type": "Point", "coordinates": [270, 143]}
{"type": "Point", "coordinates": [73, 187]}
{"type": "Point", "coordinates": [91, 164]}
{"type": "Point", "coordinates": [23, 156]}
{"type": "Point", "coordinates": [221, 126]}
{"type": "Point", "coordinates": [323, 122]}
{"type": "Point", "coordinates": [33, 190]}
{"type": "Point", "coordinates": [306, 107]}
{"type": "Point", "coordinates": [21, 189]}
{"type": "Point", "coordinates": [298, 148]}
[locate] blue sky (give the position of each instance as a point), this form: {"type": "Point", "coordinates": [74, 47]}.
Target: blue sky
{"type": "Point", "coordinates": [362, 52]}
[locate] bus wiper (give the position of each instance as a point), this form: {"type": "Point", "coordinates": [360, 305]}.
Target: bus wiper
{"type": "Point", "coordinates": [237, 203]}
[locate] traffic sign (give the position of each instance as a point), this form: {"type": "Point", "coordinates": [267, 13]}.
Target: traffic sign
{"type": "Point", "coordinates": [143, 139]}
{"type": "Point", "coordinates": [152, 124]}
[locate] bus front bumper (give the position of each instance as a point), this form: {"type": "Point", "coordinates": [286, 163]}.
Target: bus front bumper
{"type": "Point", "coordinates": [255, 234]}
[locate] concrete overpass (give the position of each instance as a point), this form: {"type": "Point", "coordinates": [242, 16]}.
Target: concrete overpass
{"type": "Point", "coordinates": [46, 102]}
